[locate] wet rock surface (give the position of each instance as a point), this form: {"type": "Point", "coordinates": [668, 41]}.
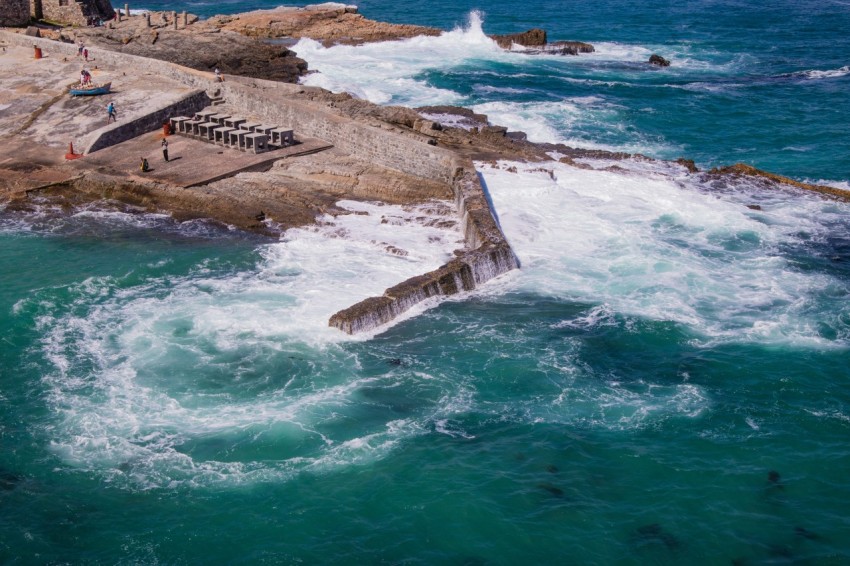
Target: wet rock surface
{"type": "Point", "coordinates": [658, 60]}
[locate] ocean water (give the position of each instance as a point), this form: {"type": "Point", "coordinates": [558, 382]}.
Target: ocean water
{"type": "Point", "coordinates": [664, 381]}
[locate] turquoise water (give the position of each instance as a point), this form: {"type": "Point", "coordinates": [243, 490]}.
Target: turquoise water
{"type": "Point", "coordinates": [665, 381]}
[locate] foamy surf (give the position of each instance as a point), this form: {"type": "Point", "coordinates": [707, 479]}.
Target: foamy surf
{"type": "Point", "coordinates": [391, 72]}
{"type": "Point", "coordinates": [145, 378]}
{"type": "Point", "coordinates": [647, 239]}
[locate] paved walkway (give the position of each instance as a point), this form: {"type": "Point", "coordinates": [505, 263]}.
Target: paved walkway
{"type": "Point", "coordinates": [191, 162]}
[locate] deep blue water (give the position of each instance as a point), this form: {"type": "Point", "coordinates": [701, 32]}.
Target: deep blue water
{"type": "Point", "coordinates": [664, 381]}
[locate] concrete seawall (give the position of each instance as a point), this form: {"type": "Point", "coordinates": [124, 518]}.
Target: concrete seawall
{"type": "Point", "coordinates": [124, 131]}
{"type": "Point", "coordinates": [407, 152]}
{"type": "Point", "coordinates": [486, 253]}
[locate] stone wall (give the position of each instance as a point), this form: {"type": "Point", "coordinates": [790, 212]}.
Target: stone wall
{"type": "Point", "coordinates": [377, 143]}
{"type": "Point", "coordinates": [14, 12]}
{"type": "Point", "coordinates": [73, 12]}
{"type": "Point", "coordinates": [123, 131]}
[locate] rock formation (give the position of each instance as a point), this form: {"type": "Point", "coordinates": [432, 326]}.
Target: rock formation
{"type": "Point", "coordinates": [195, 46]}
{"type": "Point", "coordinates": [532, 38]}
{"type": "Point", "coordinates": [656, 59]}
{"type": "Point", "coordinates": [14, 13]}
{"type": "Point", "coordinates": [330, 24]}
{"type": "Point", "coordinates": [568, 47]}
{"type": "Point", "coordinates": [535, 41]}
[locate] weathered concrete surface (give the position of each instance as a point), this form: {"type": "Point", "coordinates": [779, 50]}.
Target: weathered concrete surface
{"type": "Point", "coordinates": [34, 99]}
{"type": "Point", "coordinates": [191, 162]}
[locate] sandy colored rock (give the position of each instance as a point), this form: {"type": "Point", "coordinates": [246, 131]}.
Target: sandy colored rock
{"type": "Point", "coordinates": [329, 25]}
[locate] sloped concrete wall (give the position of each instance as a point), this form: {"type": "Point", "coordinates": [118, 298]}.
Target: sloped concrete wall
{"type": "Point", "coordinates": [123, 131]}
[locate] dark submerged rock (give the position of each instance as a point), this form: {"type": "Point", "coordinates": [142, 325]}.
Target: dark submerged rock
{"type": "Point", "coordinates": [688, 164]}
{"type": "Point", "coordinates": [8, 480]}
{"type": "Point", "coordinates": [806, 534]}
{"type": "Point", "coordinates": [568, 48]}
{"type": "Point", "coordinates": [551, 489]}
{"type": "Point", "coordinates": [656, 59]}
{"type": "Point", "coordinates": [654, 532]}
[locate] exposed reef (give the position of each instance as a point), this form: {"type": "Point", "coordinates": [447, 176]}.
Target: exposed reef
{"type": "Point", "coordinates": [535, 41]}
{"type": "Point", "coordinates": [658, 60]}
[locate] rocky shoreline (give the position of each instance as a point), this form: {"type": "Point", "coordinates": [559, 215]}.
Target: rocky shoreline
{"type": "Point", "coordinates": [381, 153]}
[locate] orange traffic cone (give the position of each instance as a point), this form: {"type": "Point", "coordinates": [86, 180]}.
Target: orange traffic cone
{"type": "Point", "coordinates": [71, 154]}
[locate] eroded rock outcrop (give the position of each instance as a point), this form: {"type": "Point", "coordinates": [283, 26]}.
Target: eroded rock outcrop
{"type": "Point", "coordinates": [536, 42]}
{"type": "Point", "coordinates": [328, 23]}
{"type": "Point", "coordinates": [658, 60]}
{"type": "Point", "coordinates": [741, 169]}
{"type": "Point", "coordinates": [532, 38]}
{"type": "Point", "coordinates": [195, 46]}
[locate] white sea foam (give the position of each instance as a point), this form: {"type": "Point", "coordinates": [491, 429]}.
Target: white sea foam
{"type": "Point", "coordinates": [399, 72]}
{"type": "Point", "coordinates": [816, 74]}
{"type": "Point", "coordinates": [554, 122]}
{"type": "Point", "coordinates": [645, 239]}
{"type": "Point", "coordinates": [844, 185]}
{"type": "Point", "coordinates": [388, 72]}
{"type": "Point", "coordinates": [130, 384]}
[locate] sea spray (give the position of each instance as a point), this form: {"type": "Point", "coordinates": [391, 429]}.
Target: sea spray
{"type": "Point", "coordinates": [651, 240]}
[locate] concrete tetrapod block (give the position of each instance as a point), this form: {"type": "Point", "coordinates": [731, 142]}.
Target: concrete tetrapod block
{"type": "Point", "coordinates": [177, 124]}
{"type": "Point", "coordinates": [250, 126]}
{"type": "Point", "coordinates": [282, 137]}
{"type": "Point", "coordinates": [237, 139]}
{"type": "Point", "coordinates": [219, 118]}
{"type": "Point", "coordinates": [256, 143]}
{"type": "Point", "coordinates": [221, 136]}
{"type": "Point", "coordinates": [205, 130]}
{"type": "Point", "coordinates": [205, 114]}
{"type": "Point", "coordinates": [234, 122]}
{"type": "Point", "coordinates": [264, 129]}
{"type": "Point", "coordinates": [191, 128]}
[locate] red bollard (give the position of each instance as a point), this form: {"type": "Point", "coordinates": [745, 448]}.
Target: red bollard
{"type": "Point", "coordinates": [37, 50]}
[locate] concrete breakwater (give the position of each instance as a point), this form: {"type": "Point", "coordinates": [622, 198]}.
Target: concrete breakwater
{"type": "Point", "coordinates": [487, 256]}
{"type": "Point", "coordinates": [395, 146]}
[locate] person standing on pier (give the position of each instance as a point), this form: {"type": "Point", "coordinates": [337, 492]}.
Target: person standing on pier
{"type": "Point", "coordinates": [165, 149]}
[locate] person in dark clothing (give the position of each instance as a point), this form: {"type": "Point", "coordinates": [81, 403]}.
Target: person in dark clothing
{"type": "Point", "coordinates": [165, 149]}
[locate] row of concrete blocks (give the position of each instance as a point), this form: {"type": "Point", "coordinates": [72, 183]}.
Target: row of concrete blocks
{"type": "Point", "coordinates": [232, 131]}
